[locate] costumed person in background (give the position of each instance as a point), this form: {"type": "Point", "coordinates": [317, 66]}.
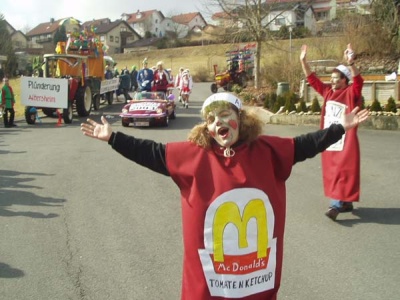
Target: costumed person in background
{"type": "Point", "coordinates": [161, 78]}
{"type": "Point", "coordinates": [134, 83]}
{"type": "Point", "coordinates": [145, 77]}
{"type": "Point", "coordinates": [185, 87]}
{"type": "Point", "coordinates": [171, 82]}
{"type": "Point", "coordinates": [125, 85]}
{"type": "Point", "coordinates": [7, 103]}
{"type": "Point", "coordinates": [233, 206]}
{"type": "Point", "coordinates": [341, 161]}
{"type": "Point", "coordinates": [178, 81]}
{"type": "Point", "coordinates": [108, 74]}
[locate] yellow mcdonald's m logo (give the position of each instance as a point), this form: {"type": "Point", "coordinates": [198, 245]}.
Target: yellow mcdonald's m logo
{"type": "Point", "coordinates": [229, 213]}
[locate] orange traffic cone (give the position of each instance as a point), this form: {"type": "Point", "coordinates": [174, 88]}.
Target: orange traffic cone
{"type": "Point", "coordinates": [59, 122]}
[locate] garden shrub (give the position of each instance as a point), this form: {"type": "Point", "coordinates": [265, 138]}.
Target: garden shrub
{"type": "Point", "coordinates": [315, 106]}
{"type": "Point", "coordinates": [290, 101]}
{"type": "Point", "coordinates": [376, 105]}
{"type": "Point", "coordinates": [302, 107]}
{"type": "Point", "coordinates": [280, 101]}
{"type": "Point", "coordinates": [391, 105]}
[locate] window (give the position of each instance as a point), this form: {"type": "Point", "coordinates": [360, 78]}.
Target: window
{"type": "Point", "coordinates": [111, 38]}
{"type": "Point", "coordinates": [280, 21]}
{"type": "Point", "coordinates": [117, 39]}
{"type": "Point", "coordinates": [123, 29]}
{"type": "Point", "coordinates": [102, 38]}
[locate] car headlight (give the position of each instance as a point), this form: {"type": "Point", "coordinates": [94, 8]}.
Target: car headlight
{"type": "Point", "coordinates": [159, 110]}
{"type": "Point", "coordinates": [124, 110]}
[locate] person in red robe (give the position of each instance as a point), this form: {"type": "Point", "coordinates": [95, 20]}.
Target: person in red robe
{"type": "Point", "coordinates": [233, 196]}
{"type": "Point", "coordinates": [341, 161]}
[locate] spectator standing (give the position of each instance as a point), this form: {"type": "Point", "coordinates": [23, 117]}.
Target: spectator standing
{"type": "Point", "coordinates": [341, 161]}
{"type": "Point", "coordinates": [7, 103]}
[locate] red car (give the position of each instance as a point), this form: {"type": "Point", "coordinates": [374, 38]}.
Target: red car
{"type": "Point", "coordinates": [147, 109]}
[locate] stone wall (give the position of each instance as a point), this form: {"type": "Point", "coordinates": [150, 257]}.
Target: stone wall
{"type": "Point", "coordinates": [373, 122]}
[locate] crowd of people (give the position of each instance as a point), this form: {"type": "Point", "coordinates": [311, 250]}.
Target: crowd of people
{"type": "Point", "coordinates": [156, 78]}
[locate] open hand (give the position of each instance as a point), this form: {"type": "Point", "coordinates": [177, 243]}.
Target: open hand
{"type": "Point", "coordinates": [303, 53]}
{"type": "Point", "coordinates": [349, 55]}
{"type": "Point", "coordinates": [354, 118]}
{"type": "Point", "coordinates": [97, 130]}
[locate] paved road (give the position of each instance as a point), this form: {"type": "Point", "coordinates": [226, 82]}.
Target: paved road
{"type": "Point", "coordinates": [78, 221]}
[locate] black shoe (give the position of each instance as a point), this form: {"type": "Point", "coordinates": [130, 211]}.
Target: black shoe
{"type": "Point", "coordinates": [346, 207]}
{"type": "Point", "coordinates": [14, 125]}
{"type": "Point", "coordinates": [332, 213]}
{"type": "Point", "coordinates": [7, 126]}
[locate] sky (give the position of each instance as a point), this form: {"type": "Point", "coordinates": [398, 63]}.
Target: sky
{"type": "Point", "coordinates": [27, 14]}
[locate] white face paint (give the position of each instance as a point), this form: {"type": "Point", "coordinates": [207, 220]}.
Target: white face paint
{"type": "Point", "coordinates": [223, 126]}
{"type": "Point", "coordinates": [337, 82]}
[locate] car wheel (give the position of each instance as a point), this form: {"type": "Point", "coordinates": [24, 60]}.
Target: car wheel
{"type": "Point", "coordinates": [125, 122]}
{"type": "Point", "coordinates": [83, 99]}
{"type": "Point", "coordinates": [214, 88]}
{"type": "Point", "coordinates": [68, 114]}
{"type": "Point", "coordinates": [166, 121]}
{"type": "Point", "coordinates": [173, 115]}
{"type": "Point", "coordinates": [96, 102]}
{"type": "Point", "coordinates": [30, 115]}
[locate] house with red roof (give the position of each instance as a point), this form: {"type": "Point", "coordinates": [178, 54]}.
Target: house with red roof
{"type": "Point", "coordinates": [41, 37]}
{"type": "Point", "coordinates": [193, 20]}
{"type": "Point", "coordinates": [146, 23]}
{"type": "Point", "coordinates": [114, 34]}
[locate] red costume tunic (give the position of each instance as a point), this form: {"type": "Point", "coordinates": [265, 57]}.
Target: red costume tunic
{"type": "Point", "coordinates": [341, 161]}
{"type": "Point", "coordinates": [233, 229]}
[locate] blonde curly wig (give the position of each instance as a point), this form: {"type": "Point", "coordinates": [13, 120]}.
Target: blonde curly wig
{"type": "Point", "coordinates": [250, 127]}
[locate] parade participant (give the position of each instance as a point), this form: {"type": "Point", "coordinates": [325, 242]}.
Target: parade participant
{"type": "Point", "coordinates": [341, 161]}
{"type": "Point", "coordinates": [232, 184]}
{"type": "Point", "coordinates": [125, 85]}
{"type": "Point", "coordinates": [145, 77]}
{"type": "Point", "coordinates": [178, 81]}
{"type": "Point", "coordinates": [7, 103]}
{"type": "Point", "coordinates": [161, 78]}
{"type": "Point", "coordinates": [185, 87]}
{"type": "Point", "coordinates": [134, 83]}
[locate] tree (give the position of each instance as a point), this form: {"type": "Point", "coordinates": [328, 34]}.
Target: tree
{"type": "Point", "coordinates": [6, 48]}
{"type": "Point", "coordinates": [386, 15]}
{"type": "Point", "coordinates": [250, 20]}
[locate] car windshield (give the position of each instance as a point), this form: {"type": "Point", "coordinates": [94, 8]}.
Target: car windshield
{"type": "Point", "coordinates": [149, 95]}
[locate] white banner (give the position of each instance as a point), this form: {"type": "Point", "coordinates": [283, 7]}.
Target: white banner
{"type": "Point", "coordinates": [44, 92]}
{"type": "Point", "coordinates": [109, 85]}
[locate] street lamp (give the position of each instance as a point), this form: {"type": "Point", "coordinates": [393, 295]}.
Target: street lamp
{"type": "Point", "coordinates": [290, 42]}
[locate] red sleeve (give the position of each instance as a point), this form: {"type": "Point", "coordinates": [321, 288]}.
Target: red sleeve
{"type": "Point", "coordinates": [357, 86]}
{"type": "Point", "coordinates": [317, 84]}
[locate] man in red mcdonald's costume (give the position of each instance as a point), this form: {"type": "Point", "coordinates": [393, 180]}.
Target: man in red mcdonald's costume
{"type": "Point", "coordinates": [233, 196]}
{"type": "Point", "coordinates": [341, 161]}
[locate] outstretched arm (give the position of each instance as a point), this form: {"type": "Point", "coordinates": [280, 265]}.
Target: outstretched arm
{"type": "Point", "coordinates": [309, 145]}
{"type": "Point", "coordinates": [303, 60]}
{"type": "Point", "coordinates": [146, 153]}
